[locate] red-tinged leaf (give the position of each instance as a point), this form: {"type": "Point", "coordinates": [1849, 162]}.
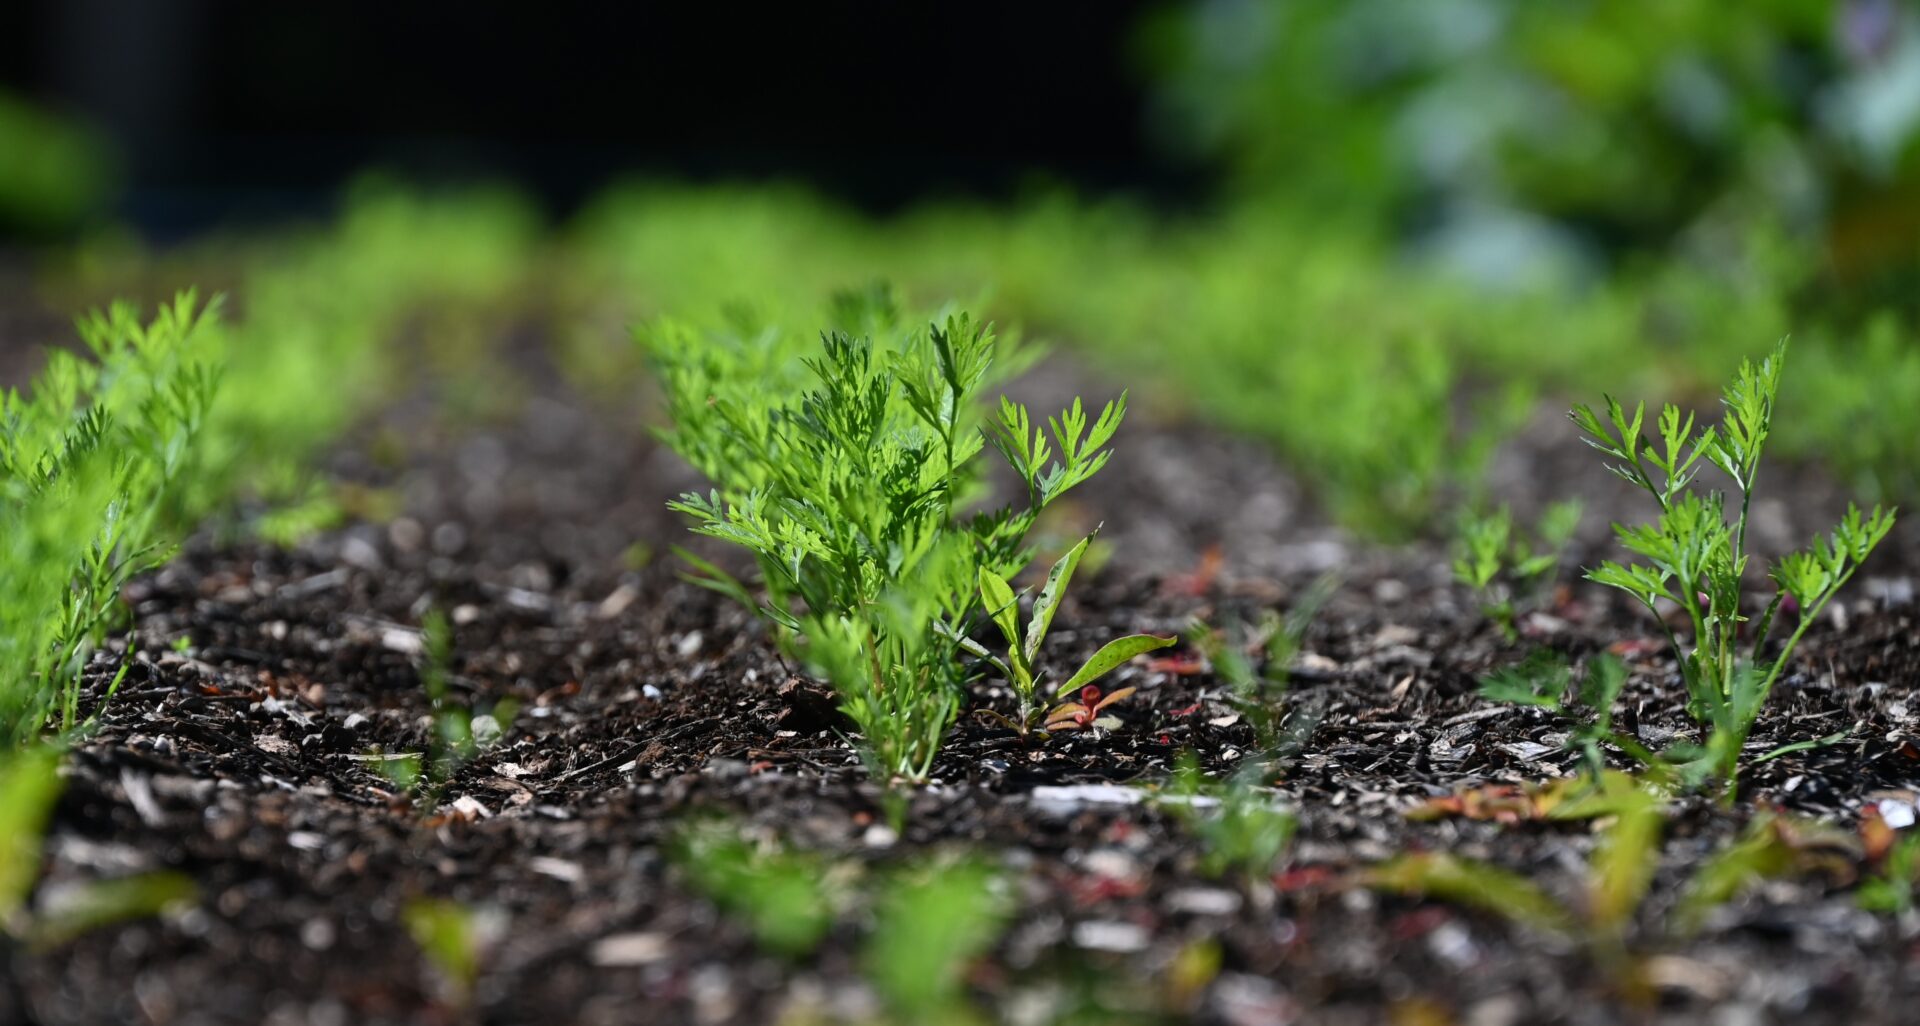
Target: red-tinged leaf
{"type": "Point", "coordinates": [1419, 922]}
{"type": "Point", "coordinates": [1187, 711]}
{"type": "Point", "coordinates": [1501, 803]}
{"type": "Point", "coordinates": [1200, 581]}
{"type": "Point", "coordinates": [1179, 665]}
{"type": "Point", "coordinates": [1112, 698]}
{"type": "Point", "coordinates": [1876, 837]}
{"type": "Point", "coordinates": [1304, 878]}
{"type": "Point", "coordinates": [1634, 648]}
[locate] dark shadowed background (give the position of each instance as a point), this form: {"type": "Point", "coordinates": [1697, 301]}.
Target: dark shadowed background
{"type": "Point", "coordinates": [222, 107]}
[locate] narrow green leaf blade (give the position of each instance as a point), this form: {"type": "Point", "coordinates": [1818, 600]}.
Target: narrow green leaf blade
{"type": "Point", "coordinates": [1002, 605]}
{"type": "Point", "coordinates": [1111, 655]}
{"type": "Point", "coordinates": [1049, 601]}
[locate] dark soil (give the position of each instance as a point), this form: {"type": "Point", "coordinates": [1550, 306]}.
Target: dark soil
{"type": "Point", "coordinates": [245, 758]}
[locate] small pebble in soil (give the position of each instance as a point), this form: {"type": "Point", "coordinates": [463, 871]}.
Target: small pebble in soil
{"type": "Point", "coordinates": [1105, 935]}
{"type": "Point", "coordinates": [1205, 901]}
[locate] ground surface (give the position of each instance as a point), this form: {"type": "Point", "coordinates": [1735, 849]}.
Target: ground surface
{"type": "Point", "coordinates": [244, 759]}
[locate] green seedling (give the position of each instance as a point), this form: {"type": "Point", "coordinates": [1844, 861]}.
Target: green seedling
{"type": "Point", "coordinates": [1695, 557]}
{"type": "Point", "coordinates": [96, 459]}
{"type": "Point", "coordinates": [852, 475]}
{"type": "Point", "coordinates": [29, 786]}
{"type": "Point", "coordinates": [1890, 887]}
{"type": "Point", "coordinates": [1618, 876]}
{"type": "Point", "coordinates": [1256, 663]}
{"type": "Point", "coordinates": [1510, 572]}
{"type": "Point", "coordinates": [1245, 833]}
{"type": "Point", "coordinates": [1023, 651]}
{"type": "Point", "coordinates": [458, 734]}
{"type": "Point", "coordinates": [930, 923]}
{"type": "Point", "coordinates": [454, 938]}
{"type": "Point", "coordinates": [1621, 872]}
{"type": "Point", "coordinates": [787, 898]}
{"type": "Point", "coordinates": [1545, 680]}
{"type": "Point", "coordinates": [75, 911]}
{"type": "Point", "coordinates": [1774, 846]}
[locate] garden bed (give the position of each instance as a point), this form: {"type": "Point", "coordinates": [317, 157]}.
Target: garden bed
{"type": "Point", "coordinates": [244, 749]}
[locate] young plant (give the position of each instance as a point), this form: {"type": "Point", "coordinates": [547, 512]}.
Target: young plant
{"type": "Point", "coordinates": [94, 461]}
{"type": "Point", "coordinates": [458, 734]}
{"type": "Point", "coordinates": [1544, 680]}
{"type": "Point", "coordinates": [1508, 571]}
{"type": "Point", "coordinates": [454, 938]}
{"type": "Point", "coordinates": [852, 476]}
{"type": "Point", "coordinates": [1897, 869]}
{"type": "Point", "coordinates": [1245, 832]}
{"type": "Point", "coordinates": [1618, 876]}
{"type": "Point", "coordinates": [1695, 558]}
{"type": "Point", "coordinates": [1620, 873]}
{"type": "Point", "coordinates": [1255, 662]}
{"type": "Point", "coordinates": [1020, 668]}
{"type": "Point", "coordinates": [29, 786]}
{"type": "Point", "coordinates": [930, 923]}
{"type": "Point", "coordinates": [786, 897]}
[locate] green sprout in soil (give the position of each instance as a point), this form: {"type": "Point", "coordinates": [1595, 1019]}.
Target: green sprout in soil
{"type": "Point", "coordinates": [852, 474]}
{"type": "Point", "coordinates": [929, 919]}
{"type": "Point", "coordinates": [1255, 662]}
{"type": "Point", "coordinates": [1631, 814]}
{"type": "Point", "coordinates": [454, 938]}
{"type": "Point", "coordinates": [1896, 867]}
{"type": "Point", "coordinates": [1023, 652]}
{"type": "Point", "coordinates": [457, 733]}
{"type": "Point", "coordinates": [1242, 832]}
{"type": "Point", "coordinates": [786, 897]}
{"type": "Point", "coordinates": [1545, 680]}
{"type": "Point", "coordinates": [1618, 876]}
{"type": "Point", "coordinates": [1695, 558]}
{"type": "Point", "coordinates": [930, 923]}
{"type": "Point", "coordinates": [1510, 571]}
{"type": "Point", "coordinates": [30, 785]}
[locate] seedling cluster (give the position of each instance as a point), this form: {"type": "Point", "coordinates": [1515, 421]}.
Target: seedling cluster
{"type": "Point", "coordinates": [852, 474]}
{"type": "Point", "coordinates": [1695, 558]}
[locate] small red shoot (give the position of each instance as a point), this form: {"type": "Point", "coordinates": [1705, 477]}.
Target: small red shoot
{"type": "Point", "coordinates": [1086, 712]}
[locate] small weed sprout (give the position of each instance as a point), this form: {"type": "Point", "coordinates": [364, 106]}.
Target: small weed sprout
{"type": "Point", "coordinates": [1020, 667]}
{"type": "Point", "coordinates": [1890, 887]}
{"type": "Point", "coordinates": [1618, 876]}
{"type": "Point", "coordinates": [29, 786]}
{"type": "Point", "coordinates": [786, 897]}
{"type": "Point", "coordinates": [454, 938]}
{"type": "Point", "coordinates": [1245, 833]}
{"type": "Point", "coordinates": [1255, 662]}
{"type": "Point", "coordinates": [1508, 571]}
{"type": "Point", "coordinates": [457, 734]}
{"type": "Point", "coordinates": [1545, 681]}
{"type": "Point", "coordinates": [1695, 558]}
{"type": "Point", "coordinates": [930, 923]}
{"type": "Point", "coordinates": [1632, 818]}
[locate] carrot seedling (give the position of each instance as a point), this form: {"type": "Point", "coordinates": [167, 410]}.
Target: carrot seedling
{"type": "Point", "coordinates": [851, 472]}
{"type": "Point", "coordinates": [1694, 557]}
{"type": "Point", "coordinates": [1507, 569]}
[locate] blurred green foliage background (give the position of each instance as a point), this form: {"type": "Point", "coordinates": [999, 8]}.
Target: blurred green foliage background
{"type": "Point", "coordinates": [1435, 219]}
